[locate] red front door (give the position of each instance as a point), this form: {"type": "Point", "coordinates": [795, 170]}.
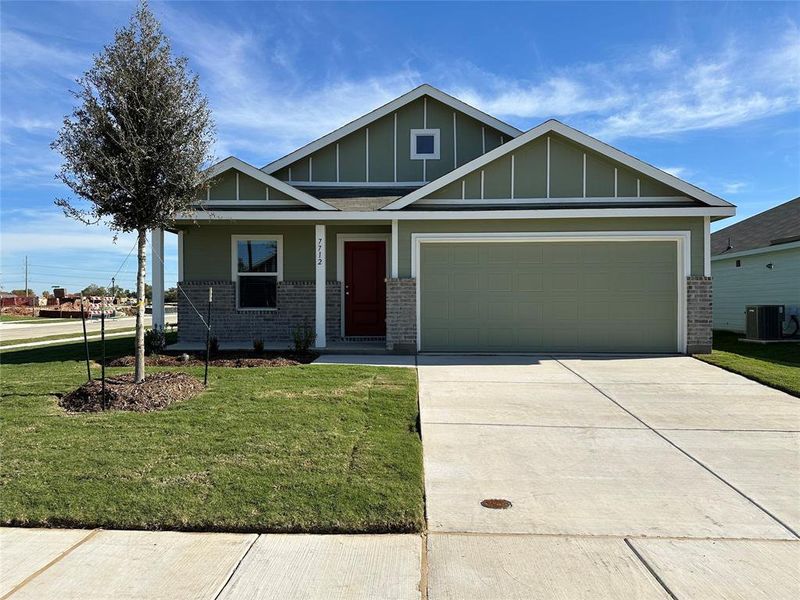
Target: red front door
{"type": "Point", "coordinates": [364, 288]}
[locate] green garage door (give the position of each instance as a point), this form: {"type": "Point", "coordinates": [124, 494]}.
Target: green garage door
{"type": "Point", "coordinates": [548, 296]}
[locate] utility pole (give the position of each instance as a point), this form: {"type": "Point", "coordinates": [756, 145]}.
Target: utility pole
{"type": "Point", "coordinates": [26, 276]}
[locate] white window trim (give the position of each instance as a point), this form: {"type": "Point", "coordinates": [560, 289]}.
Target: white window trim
{"type": "Point", "coordinates": [341, 238]}
{"type": "Point", "coordinates": [683, 240]}
{"type": "Point", "coordinates": [436, 133]}
{"type": "Point", "coordinates": [235, 267]}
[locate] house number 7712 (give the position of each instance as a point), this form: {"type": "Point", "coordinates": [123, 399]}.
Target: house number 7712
{"type": "Point", "coordinates": [319, 251]}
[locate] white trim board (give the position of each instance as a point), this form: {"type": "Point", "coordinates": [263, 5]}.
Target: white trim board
{"type": "Point", "coordinates": [683, 240]}
{"type": "Point", "coordinates": [458, 215]}
{"type": "Point", "coordinates": [234, 264]}
{"type": "Point", "coordinates": [235, 163]}
{"type": "Point", "coordinates": [755, 251]}
{"type": "Point", "coordinates": [577, 137]}
{"type": "Point", "coordinates": [534, 201]}
{"type": "Point", "coordinates": [341, 238]}
{"type": "Point", "coordinates": [384, 110]}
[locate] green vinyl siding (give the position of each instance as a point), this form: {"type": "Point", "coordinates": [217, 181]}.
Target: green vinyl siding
{"type": "Point", "coordinates": [353, 156]}
{"type": "Point", "coordinates": [566, 169]}
{"type": "Point", "coordinates": [692, 224]}
{"type": "Point", "coordinates": [323, 164]}
{"type": "Point", "coordinates": [465, 141]}
{"type": "Point", "coordinates": [224, 186]}
{"type": "Point", "coordinates": [381, 149]}
{"type": "Point", "coordinates": [207, 248]}
{"type": "Point", "coordinates": [535, 296]}
{"type": "Point", "coordinates": [440, 116]}
{"type": "Point", "coordinates": [734, 288]}
{"type": "Point", "coordinates": [251, 189]}
{"type": "Point", "coordinates": [599, 177]}
{"type": "Point", "coordinates": [411, 116]}
{"type": "Point", "coordinates": [497, 180]}
{"type": "Point", "coordinates": [450, 191]}
{"type": "Point", "coordinates": [626, 183]}
{"type": "Point", "coordinates": [530, 170]}
{"type": "Point", "coordinates": [566, 174]}
{"type": "Point", "coordinates": [469, 142]}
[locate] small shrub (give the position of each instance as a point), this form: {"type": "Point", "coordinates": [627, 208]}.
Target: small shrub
{"type": "Point", "coordinates": [155, 340]}
{"type": "Point", "coordinates": [258, 346]}
{"type": "Point", "coordinates": [304, 337]}
{"type": "Point", "coordinates": [213, 346]}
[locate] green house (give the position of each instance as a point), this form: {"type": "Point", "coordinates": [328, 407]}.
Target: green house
{"type": "Point", "coordinates": [429, 226]}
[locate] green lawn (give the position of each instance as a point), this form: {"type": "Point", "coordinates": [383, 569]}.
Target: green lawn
{"type": "Point", "coordinates": [776, 365]}
{"type": "Point", "coordinates": [29, 319]}
{"type": "Point", "coordinates": [315, 448]}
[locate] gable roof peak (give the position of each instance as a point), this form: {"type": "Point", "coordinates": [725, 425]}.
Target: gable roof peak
{"type": "Point", "coordinates": [575, 135]}
{"type": "Point", "coordinates": [424, 89]}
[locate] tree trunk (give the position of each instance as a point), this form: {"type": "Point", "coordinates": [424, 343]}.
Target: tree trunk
{"type": "Point", "coordinates": [140, 303]}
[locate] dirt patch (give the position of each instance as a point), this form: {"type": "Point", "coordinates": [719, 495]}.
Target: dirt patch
{"type": "Point", "coordinates": [158, 391]}
{"type": "Point", "coordinates": [225, 360]}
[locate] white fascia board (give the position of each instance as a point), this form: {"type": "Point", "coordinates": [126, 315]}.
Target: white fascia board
{"type": "Point", "coordinates": [459, 215]}
{"type": "Point", "coordinates": [384, 110]}
{"type": "Point", "coordinates": [553, 126]}
{"type": "Point", "coordinates": [235, 163]}
{"type": "Point", "coordinates": [755, 251]}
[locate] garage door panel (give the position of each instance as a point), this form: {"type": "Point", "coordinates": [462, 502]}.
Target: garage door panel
{"type": "Point", "coordinates": [549, 296]}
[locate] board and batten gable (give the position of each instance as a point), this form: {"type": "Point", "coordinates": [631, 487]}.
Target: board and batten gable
{"type": "Point", "coordinates": [234, 186]}
{"type": "Point", "coordinates": [752, 282]}
{"type": "Point", "coordinates": [380, 152]}
{"type": "Point", "coordinates": [553, 167]}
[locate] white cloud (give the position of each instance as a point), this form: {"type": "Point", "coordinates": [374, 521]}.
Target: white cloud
{"type": "Point", "coordinates": [734, 187]}
{"type": "Point", "coordinates": [681, 172]}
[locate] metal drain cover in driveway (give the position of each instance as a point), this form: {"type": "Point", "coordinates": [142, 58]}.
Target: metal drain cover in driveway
{"type": "Point", "coordinates": [497, 503]}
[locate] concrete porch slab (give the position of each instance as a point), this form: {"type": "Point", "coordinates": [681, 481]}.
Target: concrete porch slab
{"type": "Point", "coordinates": [578, 482]}
{"type": "Point", "coordinates": [498, 368]}
{"type": "Point", "coordinates": [530, 404]}
{"type": "Point", "coordinates": [346, 567]}
{"type": "Point", "coordinates": [725, 569]}
{"type": "Point", "coordinates": [708, 406]}
{"type": "Point", "coordinates": [25, 551]}
{"type": "Point", "coordinates": [653, 370]}
{"type": "Point", "coordinates": [128, 565]}
{"type": "Point", "coordinates": [520, 567]}
{"type": "Point", "coordinates": [764, 465]}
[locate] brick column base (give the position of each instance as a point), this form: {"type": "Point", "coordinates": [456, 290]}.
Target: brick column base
{"type": "Point", "coordinates": [698, 315]}
{"type": "Point", "coordinates": [401, 316]}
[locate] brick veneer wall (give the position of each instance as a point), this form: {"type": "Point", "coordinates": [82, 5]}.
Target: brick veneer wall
{"type": "Point", "coordinates": [698, 314]}
{"type": "Point", "coordinates": [401, 315]}
{"type": "Point", "coordinates": [296, 304]}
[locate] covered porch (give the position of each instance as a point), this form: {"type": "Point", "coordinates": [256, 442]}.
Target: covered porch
{"type": "Point", "coordinates": [269, 280]}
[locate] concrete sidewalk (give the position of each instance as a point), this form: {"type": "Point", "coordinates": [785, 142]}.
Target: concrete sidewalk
{"type": "Point", "coordinates": [137, 565]}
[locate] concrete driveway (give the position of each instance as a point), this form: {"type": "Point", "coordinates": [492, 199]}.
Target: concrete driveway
{"type": "Point", "coordinates": [629, 477]}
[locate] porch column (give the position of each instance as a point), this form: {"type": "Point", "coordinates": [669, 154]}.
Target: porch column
{"type": "Point", "coordinates": [395, 258]}
{"type": "Point", "coordinates": [319, 242]}
{"type": "Point", "coordinates": [157, 262]}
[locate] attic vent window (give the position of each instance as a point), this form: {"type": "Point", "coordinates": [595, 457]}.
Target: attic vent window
{"type": "Point", "coordinates": [424, 144]}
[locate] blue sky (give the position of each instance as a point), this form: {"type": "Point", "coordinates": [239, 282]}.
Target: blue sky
{"type": "Point", "coordinates": [708, 91]}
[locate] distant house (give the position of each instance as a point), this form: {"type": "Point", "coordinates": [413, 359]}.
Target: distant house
{"type": "Point", "coordinates": [428, 225]}
{"type": "Point", "coordinates": [756, 261]}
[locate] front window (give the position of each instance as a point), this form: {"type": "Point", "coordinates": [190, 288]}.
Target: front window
{"type": "Point", "coordinates": [424, 144]}
{"type": "Point", "coordinates": [257, 272]}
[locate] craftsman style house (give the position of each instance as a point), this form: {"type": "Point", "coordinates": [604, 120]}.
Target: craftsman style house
{"type": "Point", "coordinates": [428, 225]}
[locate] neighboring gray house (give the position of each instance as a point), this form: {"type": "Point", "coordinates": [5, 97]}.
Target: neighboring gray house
{"type": "Point", "coordinates": [428, 225]}
{"type": "Point", "coordinates": [756, 261]}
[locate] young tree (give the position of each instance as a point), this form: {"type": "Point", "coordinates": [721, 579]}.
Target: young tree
{"type": "Point", "coordinates": [135, 145]}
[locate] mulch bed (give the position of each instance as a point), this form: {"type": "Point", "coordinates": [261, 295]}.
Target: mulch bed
{"type": "Point", "coordinates": [224, 360]}
{"type": "Point", "coordinates": [158, 391]}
